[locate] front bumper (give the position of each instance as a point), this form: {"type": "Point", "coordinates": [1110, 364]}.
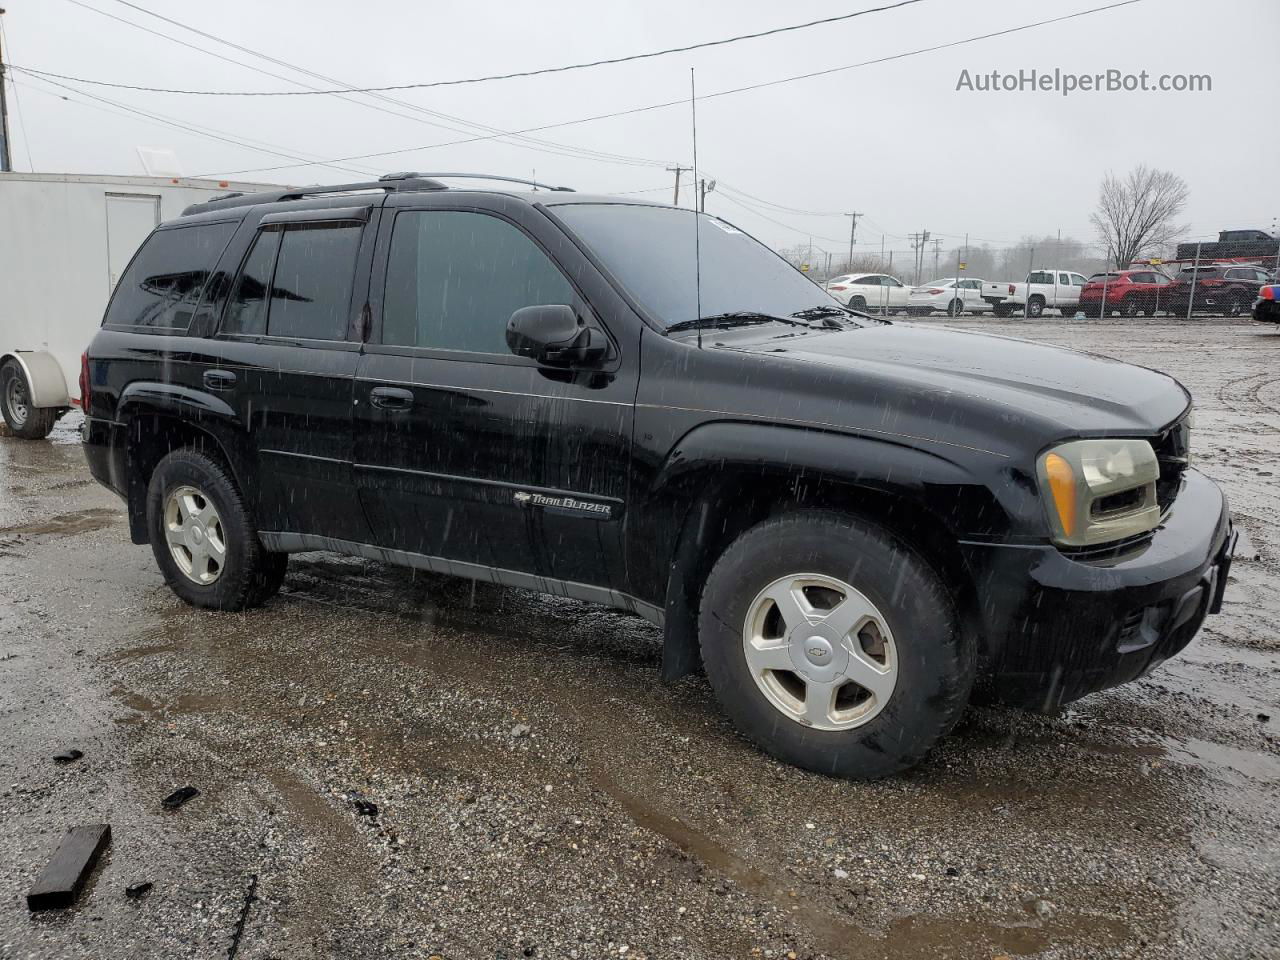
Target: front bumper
{"type": "Point", "coordinates": [1056, 628]}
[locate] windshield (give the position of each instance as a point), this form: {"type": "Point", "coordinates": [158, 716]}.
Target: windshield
{"type": "Point", "coordinates": [651, 252]}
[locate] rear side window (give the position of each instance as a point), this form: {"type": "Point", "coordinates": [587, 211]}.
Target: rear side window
{"type": "Point", "coordinates": [454, 278]}
{"type": "Point", "coordinates": [296, 282]}
{"type": "Point", "coordinates": [161, 288]}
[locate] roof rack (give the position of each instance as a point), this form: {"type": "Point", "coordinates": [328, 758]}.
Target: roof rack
{"type": "Point", "coordinates": [395, 183]}
{"type": "Point", "coordinates": [396, 177]}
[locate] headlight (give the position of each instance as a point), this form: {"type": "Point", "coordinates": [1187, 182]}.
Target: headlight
{"type": "Point", "coordinates": [1098, 491]}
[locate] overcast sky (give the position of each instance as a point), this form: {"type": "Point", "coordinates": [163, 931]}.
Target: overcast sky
{"type": "Point", "coordinates": [895, 141]}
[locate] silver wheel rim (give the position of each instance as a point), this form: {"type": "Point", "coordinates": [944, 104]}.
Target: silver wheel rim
{"type": "Point", "coordinates": [16, 400]}
{"type": "Point", "coordinates": [820, 651]}
{"type": "Point", "coordinates": [193, 529]}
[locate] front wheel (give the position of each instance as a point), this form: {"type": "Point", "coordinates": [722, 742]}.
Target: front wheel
{"type": "Point", "coordinates": [24, 420]}
{"type": "Point", "coordinates": [955, 308]}
{"type": "Point", "coordinates": [858, 303]}
{"type": "Point", "coordinates": [833, 646]}
{"type": "Point", "coordinates": [204, 538]}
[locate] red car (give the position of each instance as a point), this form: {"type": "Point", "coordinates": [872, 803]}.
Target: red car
{"type": "Point", "coordinates": [1128, 292]}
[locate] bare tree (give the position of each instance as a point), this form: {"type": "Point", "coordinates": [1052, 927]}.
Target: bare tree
{"type": "Point", "coordinates": [1136, 214]}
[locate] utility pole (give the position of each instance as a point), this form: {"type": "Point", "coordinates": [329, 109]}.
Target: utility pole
{"type": "Point", "coordinates": [677, 170]}
{"type": "Point", "coordinates": [5, 164]}
{"type": "Point", "coordinates": [704, 187]}
{"type": "Point", "coordinates": [853, 230]}
{"type": "Point", "coordinates": [937, 245]}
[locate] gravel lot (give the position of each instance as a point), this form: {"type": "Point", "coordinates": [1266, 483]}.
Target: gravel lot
{"type": "Point", "coordinates": [400, 765]}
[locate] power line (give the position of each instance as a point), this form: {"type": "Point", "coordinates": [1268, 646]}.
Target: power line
{"type": "Point", "coordinates": [206, 132]}
{"type": "Point", "coordinates": [511, 76]}
{"type": "Point", "coordinates": [17, 103]}
{"type": "Point", "coordinates": [704, 97]}
{"type": "Point", "coordinates": [564, 150]}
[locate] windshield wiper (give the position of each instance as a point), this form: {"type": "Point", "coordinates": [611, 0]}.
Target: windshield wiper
{"type": "Point", "coordinates": [821, 312]}
{"type": "Point", "coordinates": [735, 318]}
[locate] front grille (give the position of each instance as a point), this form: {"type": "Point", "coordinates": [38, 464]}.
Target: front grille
{"type": "Point", "coordinates": [1173, 451]}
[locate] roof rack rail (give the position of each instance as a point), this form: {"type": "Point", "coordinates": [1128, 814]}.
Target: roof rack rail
{"type": "Point", "coordinates": [395, 177]}
{"type": "Point", "coordinates": [396, 184]}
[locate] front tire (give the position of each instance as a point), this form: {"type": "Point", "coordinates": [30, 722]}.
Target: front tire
{"type": "Point", "coordinates": [23, 419]}
{"type": "Point", "coordinates": [833, 646]}
{"type": "Point", "coordinates": [204, 538]}
{"type": "Point", "coordinates": [858, 303]}
{"type": "Point", "coordinates": [955, 308]}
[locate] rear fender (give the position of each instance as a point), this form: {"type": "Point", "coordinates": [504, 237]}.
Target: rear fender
{"type": "Point", "coordinates": [44, 376]}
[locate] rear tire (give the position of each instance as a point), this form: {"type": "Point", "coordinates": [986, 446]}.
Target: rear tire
{"type": "Point", "coordinates": [204, 538]}
{"type": "Point", "coordinates": [1035, 307]}
{"type": "Point", "coordinates": [1129, 308]}
{"type": "Point", "coordinates": [23, 420]}
{"type": "Point", "coordinates": [1002, 310]}
{"type": "Point", "coordinates": [921, 643]}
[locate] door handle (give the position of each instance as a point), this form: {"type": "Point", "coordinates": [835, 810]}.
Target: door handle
{"type": "Point", "coordinates": [391, 398]}
{"type": "Point", "coordinates": [219, 379]}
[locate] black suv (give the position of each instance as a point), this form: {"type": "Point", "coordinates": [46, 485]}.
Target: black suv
{"type": "Point", "coordinates": [848, 523]}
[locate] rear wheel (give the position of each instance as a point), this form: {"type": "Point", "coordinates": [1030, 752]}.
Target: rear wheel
{"type": "Point", "coordinates": [1129, 307]}
{"type": "Point", "coordinates": [1001, 309]}
{"type": "Point", "coordinates": [1035, 307]}
{"type": "Point", "coordinates": [833, 646]}
{"type": "Point", "coordinates": [24, 420]}
{"type": "Point", "coordinates": [1237, 305]}
{"type": "Point", "coordinates": [203, 537]}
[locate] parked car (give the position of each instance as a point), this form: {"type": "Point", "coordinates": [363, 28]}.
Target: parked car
{"type": "Point", "coordinates": [1043, 289]}
{"type": "Point", "coordinates": [80, 226]}
{"type": "Point", "coordinates": [1266, 308]}
{"type": "Point", "coordinates": [1126, 292]}
{"type": "Point", "coordinates": [1233, 244]}
{"type": "Point", "coordinates": [848, 522]}
{"type": "Point", "coordinates": [950, 295]}
{"type": "Point", "coordinates": [876, 292]}
{"type": "Point", "coordinates": [1225, 289]}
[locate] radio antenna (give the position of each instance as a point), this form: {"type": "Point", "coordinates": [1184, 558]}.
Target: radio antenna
{"type": "Point", "coordinates": [697, 224]}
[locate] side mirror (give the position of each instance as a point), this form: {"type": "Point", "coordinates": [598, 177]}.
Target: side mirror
{"type": "Point", "coordinates": [553, 334]}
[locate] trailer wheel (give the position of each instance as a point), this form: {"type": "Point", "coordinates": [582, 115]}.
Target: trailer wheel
{"type": "Point", "coordinates": [23, 419]}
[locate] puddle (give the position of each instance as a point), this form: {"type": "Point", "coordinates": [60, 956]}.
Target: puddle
{"type": "Point", "coordinates": [65, 524]}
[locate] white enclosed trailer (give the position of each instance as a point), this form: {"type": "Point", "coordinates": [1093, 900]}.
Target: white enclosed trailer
{"type": "Point", "coordinates": [65, 239]}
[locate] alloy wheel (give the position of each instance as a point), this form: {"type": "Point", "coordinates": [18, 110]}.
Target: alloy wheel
{"type": "Point", "coordinates": [195, 534]}
{"type": "Point", "coordinates": [820, 651]}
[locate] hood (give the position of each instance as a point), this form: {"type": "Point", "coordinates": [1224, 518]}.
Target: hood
{"type": "Point", "coordinates": [1081, 393]}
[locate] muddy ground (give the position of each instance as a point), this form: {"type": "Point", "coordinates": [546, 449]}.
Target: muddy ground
{"type": "Point", "coordinates": [539, 793]}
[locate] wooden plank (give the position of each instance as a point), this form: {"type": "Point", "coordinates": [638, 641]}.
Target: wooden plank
{"type": "Point", "coordinates": [66, 872]}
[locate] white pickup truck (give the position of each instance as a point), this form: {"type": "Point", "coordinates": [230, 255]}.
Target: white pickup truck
{"type": "Point", "coordinates": [1043, 288]}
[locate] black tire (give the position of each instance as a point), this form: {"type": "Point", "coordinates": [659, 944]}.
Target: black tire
{"type": "Point", "coordinates": [1002, 310]}
{"type": "Point", "coordinates": [22, 419]}
{"type": "Point", "coordinates": [1035, 307]}
{"type": "Point", "coordinates": [1237, 306]}
{"type": "Point", "coordinates": [1129, 308]}
{"type": "Point", "coordinates": [955, 308]}
{"type": "Point", "coordinates": [249, 574]}
{"type": "Point", "coordinates": [858, 303]}
{"type": "Point", "coordinates": [935, 668]}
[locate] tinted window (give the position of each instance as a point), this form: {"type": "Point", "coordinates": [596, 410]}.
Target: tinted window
{"type": "Point", "coordinates": [247, 311]}
{"type": "Point", "coordinates": [890, 282]}
{"type": "Point", "coordinates": [650, 250]}
{"type": "Point", "coordinates": [1040, 277]}
{"type": "Point", "coordinates": [162, 285]}
{"type": "Point", "coordinates": [454, 278]}
{"type": "Point", "coordinates": [1064, 280]}
{"type": "Point", "coordinates": [311, 289]}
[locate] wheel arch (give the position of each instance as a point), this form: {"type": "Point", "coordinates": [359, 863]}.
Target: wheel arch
{"type": "Point", "coordinates": [723, 479]}
{"type": "Point", "coordinates": [160, 418]}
